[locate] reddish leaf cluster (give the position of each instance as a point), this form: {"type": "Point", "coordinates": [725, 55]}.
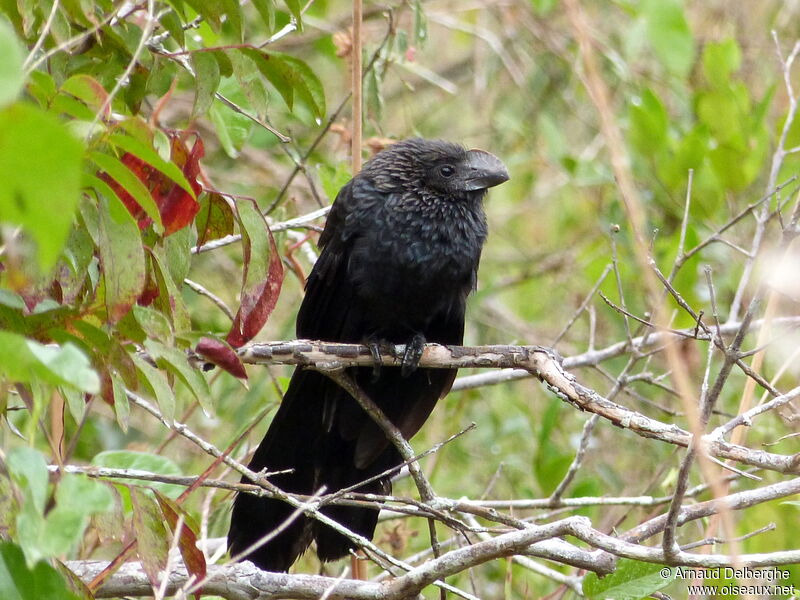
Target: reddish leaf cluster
{"type": "Point", "coordinates": [257, 301]}
{"type": "Point", "coordinates": [176, 205]}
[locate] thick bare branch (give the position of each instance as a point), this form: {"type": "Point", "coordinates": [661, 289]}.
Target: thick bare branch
{"type": "Point", "coordinates": [541, 362]}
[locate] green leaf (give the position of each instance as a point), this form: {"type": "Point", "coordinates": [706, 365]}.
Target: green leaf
{"type": "Point", "coordinates": [11, 56]}
{"type": "Point", "coordinates": [735, 167]}
{"type": "Point", "coordinates": [689, 154]}
{"type": "Point", "coordinates": [42, 86]}
{"type": "Point", "coordinates": [296, 8]}
{"type": "Point", "coordinates": [71, 106]}
{"type": "Point", "coordinates": [75, 403]}
{"type": "Point", "coordinates": [720, 60]}
{"type": "Point", "coordinates": [233, 11]}
{"type": "Point", "coordinates": [77, 498]}
{"type": "Point", "coordinates": [632, 580]}
{"type": "Point", "coordinates": [420, 24]}
{"type": "Point", "coordinates": [266, 8]}
{"type": "Point", "coordinates": [25, 360]}
{"type": "Point", "coordinates": [62, 530]}
{"type": "Point", "coordinates": [171, 21]}
{"type": "Point", "coordinates": [18, 581]}
{"type": "Point", "coordinates": [74, 583]}
{"type": "Point", "coordinates": [121, 257]}
{"type": "Point", "coordinates": [215, 219]}
{"type": "Point", "coordinates": [161, 77]}
{"type": "Point", "coordinates": [177, 253]}
{"type": "Point", "coordinates": [75, 11]}
{"type": "Point", "coordinates": [154, 323]}
{"type": "Point", "coordinates": [177, 363]}
{"type": "Point", "coordinates": [29, 139]}
{"type": "Point", "coordinates": [543, 7]}
{"type": "Point", "coordinates": [86, 495]}
{"type": "Point", "coordinates": [87, 89]}
{"type": "Point", "coordinates": [142, 461]}
{"type": "Point", "coordinates": [96, 338]}
{"type": "Point", "coordinates": [232, 128]}
{"type": "Point", "coordinates": [29, 470]}
{"type": "Point", "coordinates": [78, 256]}
{"type": "Point", "coordinates": [68, 365]}
{"type": "Point", "coordinates": [206, 75]}
{"type": "Point", "coordinates": [179, 8]}
{"type": "Point", "coordinates": [169, 300]}
{"type": "Point", "coordinates": [60, 30]}
{"type": "Point", "coordinates": [250, 83]}
{"type": "Point", "coordinates": [333, 179]}
{"type": "Point", "coordinates": [122, 408]}
{"type": "Point", "coordinates": [307, 85]}
{"type": "Point", "coordinates": [402, 41]}
{"type": "Point", "coordinates": [649, 122]}
{"type": "Point", "coordinates": [725, 115]}
{"type": "Point", "coordinates": [275, 70]}
{"type": "Point", "coordinates": [669, 34]}
{"type": "Point", "coordinates": [214, 10]}
{"type": "Point", "coordinates": [374, 96]}
{"type": "Point", "coordinates": [224, 62]}
{"type": "Point", "coordinates": [156, 382]}
{"type": "Point", "coordinates": [290, 75]}
{"type": "Point", "coordinates": [550, 463]}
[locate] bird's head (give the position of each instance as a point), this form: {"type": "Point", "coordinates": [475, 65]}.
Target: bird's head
{"type": "Point", "coordinates": [438, 165]}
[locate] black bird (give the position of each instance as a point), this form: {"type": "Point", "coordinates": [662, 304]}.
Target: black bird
{"type": "Point", "coordinates": [399, 256]}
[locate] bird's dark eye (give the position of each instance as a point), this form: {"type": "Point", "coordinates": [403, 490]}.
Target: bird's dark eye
{"type": "Point", "coordinates": [447, 170]}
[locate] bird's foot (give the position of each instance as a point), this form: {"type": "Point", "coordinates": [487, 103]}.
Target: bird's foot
{"type": "Point", "coordinates": [374, 346]}
{"type": "Point", "coordinates": [413, 353]}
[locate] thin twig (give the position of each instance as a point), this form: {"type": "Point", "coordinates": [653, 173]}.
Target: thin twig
{"type": "Point", "coordinates": [211, 296]}
{"type": "Point", "coordinates": [586, 436]}
{"type": "Point", "coordinates": [582, 306]}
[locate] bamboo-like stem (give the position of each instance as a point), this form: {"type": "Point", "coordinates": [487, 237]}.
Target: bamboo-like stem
{"type": "Point", "coordinates": [357, 87]}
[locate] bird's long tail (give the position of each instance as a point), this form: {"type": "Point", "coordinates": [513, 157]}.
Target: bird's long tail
{"type": "Point", "coordinates": [299, 439]}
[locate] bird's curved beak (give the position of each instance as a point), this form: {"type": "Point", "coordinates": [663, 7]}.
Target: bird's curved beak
{"type": "Point", "coordinates": [484, 170]}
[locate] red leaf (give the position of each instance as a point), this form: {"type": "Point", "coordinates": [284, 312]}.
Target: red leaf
{"type": "Point", "coordinates": [187, 539]}
{"type": "Point", "coordinates": [32, 295]}
{"type": "Point", "coordinates": [262, 279]}
{"type": "Point", "coordinates": [144, 172]}
{"type": "Point", "coordinates": [176, 206]}
{"type": "Point", "coordinates": [151, 535]}
{"type": "Point", "coordinates": [106, 386]}
{"type": "Point", "coordinates": [222, 355]}
{"type": "Point", "coordinates": [149, 293]}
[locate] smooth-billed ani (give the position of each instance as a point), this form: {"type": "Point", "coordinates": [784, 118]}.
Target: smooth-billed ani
{"type": "Point", "coordinates": [399, 256]}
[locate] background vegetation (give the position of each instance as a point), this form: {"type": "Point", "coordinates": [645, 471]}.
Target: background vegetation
{"type": "Point", "coordinates": [132, 132]}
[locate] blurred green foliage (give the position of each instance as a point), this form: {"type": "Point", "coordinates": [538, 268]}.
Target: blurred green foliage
{"type": "Point", "coordinates": [694, 85]}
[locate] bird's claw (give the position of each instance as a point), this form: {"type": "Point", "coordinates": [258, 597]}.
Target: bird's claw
{"type": "Point", "coordinates": [412, 355]}
{"type": "Point", "coordinates": [375, 350]}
